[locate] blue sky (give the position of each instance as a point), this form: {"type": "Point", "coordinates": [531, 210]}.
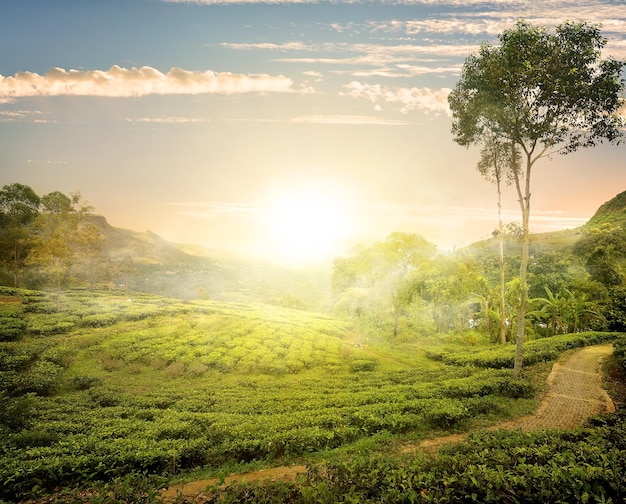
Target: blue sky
{"type": "Point", "coordinates": [290, 129]}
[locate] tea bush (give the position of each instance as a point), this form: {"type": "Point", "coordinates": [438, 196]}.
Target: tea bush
{"type": "Point", "coordinates": [11, 323]}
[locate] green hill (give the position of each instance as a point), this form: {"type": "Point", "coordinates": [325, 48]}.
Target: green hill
{"type": "Point", "coordinates": [611, 212]}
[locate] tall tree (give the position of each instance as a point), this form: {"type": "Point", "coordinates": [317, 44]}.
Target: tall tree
{"type": "Point", "coordinates": [498, 161]}
{"type": "Point", "coordinates": [544, 92]}
{"type": "Point", "coordinates": [19, 206]}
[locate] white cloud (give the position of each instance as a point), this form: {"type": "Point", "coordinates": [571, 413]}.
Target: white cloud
{"type": "Point", "coordinates": [46, 162]}
{"type": "Point", "coordinates": [18, 115]}
{"type": "Point", "coordinates": [167, 120]}
{"type": "Point", "coordinates": [348, 119]}
{"type": "Point", "coordinates": [370, 53]}
{"type": "Point", "coordinates": [269, 46]}
{"type": "Point", "coordinates": [431, 101]}
{"type": "Point", "coordinates": [128, 82]}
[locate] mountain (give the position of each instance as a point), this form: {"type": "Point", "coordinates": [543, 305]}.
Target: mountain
{"type": "Point", "coordinates": [148, 263]}
{"type": "Point", "coordinates": [143, 248]}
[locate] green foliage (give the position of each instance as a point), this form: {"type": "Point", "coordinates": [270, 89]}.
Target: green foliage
{"type": "Point", "coordinates": [363, 365]}
{"type": "Point", "coordinates": [538, 92]}
{"type": "Point", "coordinates": [619, 349]}
{"type": "Point", "coordinates": [574, 95]}
{"type": "Point", "coordinates": [602, 248]}
{"type": "Point", "coordinates": [613, 212]}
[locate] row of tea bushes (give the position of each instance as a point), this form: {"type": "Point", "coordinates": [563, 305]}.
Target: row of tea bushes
{"type": "Point", "coordinates": [539, 350]}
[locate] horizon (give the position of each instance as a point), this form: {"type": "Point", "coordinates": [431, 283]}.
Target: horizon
{"type": "Point", "coordinates": [287, 129]}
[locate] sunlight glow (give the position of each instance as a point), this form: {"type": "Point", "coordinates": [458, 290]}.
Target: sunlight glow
{"type": "Point", "coordinates": [307, 223]}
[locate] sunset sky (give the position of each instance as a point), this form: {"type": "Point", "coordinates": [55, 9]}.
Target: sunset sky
{"type": "Point", "coordinates": [291, 129]}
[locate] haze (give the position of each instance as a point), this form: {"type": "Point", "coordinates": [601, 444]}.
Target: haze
{"type": "Point", "coordinates": [290, 130]}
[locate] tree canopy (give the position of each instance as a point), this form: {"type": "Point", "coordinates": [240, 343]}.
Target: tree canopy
{"type": "Point", "coordinates": [543, 91]}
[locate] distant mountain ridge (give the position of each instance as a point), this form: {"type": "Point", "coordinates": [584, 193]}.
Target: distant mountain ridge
{"type": "Point", "coordinates": [183, 270]}
{"type": "Point", "coordinates": [142, 247]}
{"type": "Point", "coordinates": [158, 266]}
{"type": "Point", "coordinates": [148, 248]}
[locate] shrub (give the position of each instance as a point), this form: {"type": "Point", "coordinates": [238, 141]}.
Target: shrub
{"type": "Point", "coordinates": [15, 412]}
{"type": "Point", "coordinates": [104, 396]}
{"type": "Point", "coordinates": [84, 382]}
{"type": "Point", "coordinates": [43, 378]}
{"type": "Point", "coordinates": [362, 365]}
{"type": "Point", "coordinates": [99, 319]}
{"type": "Point", "coordinates": [175, 369]}
{"type": "Point", "coordinates": [446, 414]}
{"type": "Point", "coordinates": [51, 323]}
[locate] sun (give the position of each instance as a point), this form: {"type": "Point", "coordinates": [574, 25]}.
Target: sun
{"type": "Point", "coordinates": [308, 223]}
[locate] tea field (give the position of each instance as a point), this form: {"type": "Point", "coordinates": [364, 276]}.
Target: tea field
{"type": "Point", "coordinates": [108, 386]}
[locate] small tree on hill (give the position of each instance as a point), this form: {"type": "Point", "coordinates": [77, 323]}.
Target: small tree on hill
{"type": "Point", "coordinates": [543, 93]}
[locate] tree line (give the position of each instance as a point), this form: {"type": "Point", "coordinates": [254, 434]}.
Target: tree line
{"type": "Point", "coordinates": [46, 240]}
{"type": "Point", "coordinates": [401, 288]}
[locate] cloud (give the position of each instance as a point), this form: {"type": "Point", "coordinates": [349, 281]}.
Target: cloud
{"type": "Point", "coordinates": [269, 46]}
{"type": "Point", "coordinates": [370, 53]}
{"type": "Point", "coordinates": [17, 115]}
{"type": "Point", "coordinates": [167, 120]}
{"type": "Point", "coordinates": [431, 101]}
{"type": "Point", "coordinates": [46, 162]}
{"type": "Point", "coordinates": [528, 4]}
{"type": "Point", "coordinates": [348, 119]}
{"type": "Point", "coordinates": [131, 82]}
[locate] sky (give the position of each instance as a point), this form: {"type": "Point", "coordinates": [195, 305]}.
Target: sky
{"type": "Point", "coordinates": [287, 129]}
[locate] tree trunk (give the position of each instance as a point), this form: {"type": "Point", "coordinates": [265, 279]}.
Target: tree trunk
{"type": "Point", "coordinates": [524, 201]}
{"type": "Point", "coordinates": [15, 267]}
{"type": "Point", "coordinates": [502, 301]}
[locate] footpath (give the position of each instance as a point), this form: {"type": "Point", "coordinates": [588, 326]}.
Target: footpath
{"type": "Point", "coordinates": [574, 393]}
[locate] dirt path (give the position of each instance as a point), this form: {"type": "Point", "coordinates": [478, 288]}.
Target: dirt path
{"type": "Point", "coordinates": [574, 394]}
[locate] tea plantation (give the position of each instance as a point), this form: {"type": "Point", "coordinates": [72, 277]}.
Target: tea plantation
{"type": "Point", "coordinates": [110, 396]}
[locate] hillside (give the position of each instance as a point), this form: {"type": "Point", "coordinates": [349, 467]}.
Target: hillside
{"type": "Point", "coordinates": [563, 239]}
{"type": "Point", "coordinates": [612, 212]}
{"type": "Point", "coordinates": [143, 248]}
{"type": "Point", "coordinates": [188, 271]}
